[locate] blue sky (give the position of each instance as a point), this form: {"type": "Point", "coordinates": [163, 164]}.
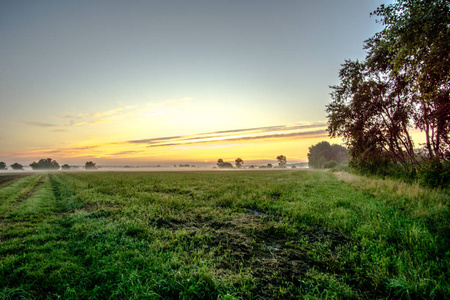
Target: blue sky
{"type": "Point", "coordinates": [84, 73]}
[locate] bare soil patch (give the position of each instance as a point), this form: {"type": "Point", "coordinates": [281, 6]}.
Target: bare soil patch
{"type": "Point", "coordinates": [252, 241]}
{"type": "Point", "coordinates": [7, 179]}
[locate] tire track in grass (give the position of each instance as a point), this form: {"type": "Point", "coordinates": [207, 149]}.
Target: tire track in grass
{"type": "Point", "coordinates": [13, 194]}
{"type": "Point", "coordinates": [29, 192]}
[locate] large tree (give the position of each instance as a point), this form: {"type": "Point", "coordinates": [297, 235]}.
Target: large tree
{"type": "Point", "coordinates": [403, 83]}
{"type": "Point", "coordinates": [415, 44]}
{"type": "Point", "coordinates": [43, 164]}
{"type": "Point", "coordinates": [322, 153]}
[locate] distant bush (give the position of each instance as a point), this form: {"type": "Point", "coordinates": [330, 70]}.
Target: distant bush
{"type": "Point", "coordinates": [90, 165]}
{"type": "Point", "coordinates": [323, 155]}
{"type": "Point", "coordinates": [224, 165]}
{"type": "Point", "coordinates": [330, 164]}
{"type": "Point", "coordinates": [2, 166]}
{"type": "Point", "coordinates": [16, 166]}
{"type": "Point", "coordinates": [427, 172]}
{"type": "Point", "coordinates": [434, 173]}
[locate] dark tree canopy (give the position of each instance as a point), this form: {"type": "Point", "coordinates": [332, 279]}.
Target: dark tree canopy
{"type": "Point", "coordinates": [16, 166]}
{"type": "Point", "coordinates": [65, 167]}
{"type": "Point", "coordinates": [89, 165]}
{"type": "Point", "coordinates": [45, 164]}
{"type": "Point", "coordinates": [403, 83]}
{"type": "Point", "coordinates": [323, 154]}
{"type": "Point", "coordinates": [415, 44]}
{"type": "Point", "coordinates": [2, 166]}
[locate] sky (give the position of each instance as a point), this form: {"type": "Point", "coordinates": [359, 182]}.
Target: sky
{"type": "Point", "coordinates": [145, 82]}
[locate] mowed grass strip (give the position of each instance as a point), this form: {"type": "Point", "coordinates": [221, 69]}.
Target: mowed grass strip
{"type": "Point", "coordinates": [223, 235]}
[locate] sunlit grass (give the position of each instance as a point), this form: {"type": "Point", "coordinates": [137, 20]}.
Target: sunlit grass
{"type": "Point", "coordinates": [222, 235]}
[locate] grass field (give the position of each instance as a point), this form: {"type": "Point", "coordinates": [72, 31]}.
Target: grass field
{"type": "Point", "coordinates": [221, 235]}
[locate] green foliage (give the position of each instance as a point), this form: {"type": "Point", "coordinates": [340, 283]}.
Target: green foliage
{"type": "Point", "coordinates": [330, 164]}
{"type": "Point", "coordinates": [434, 173]}
{"type": "Point", "coordinates": [45, 164]}
{"type": "Point", "coordinates": [324, 155]}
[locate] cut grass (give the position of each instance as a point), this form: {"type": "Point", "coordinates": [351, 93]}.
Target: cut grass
{"type": "Point", "coordinates": [221, 235]}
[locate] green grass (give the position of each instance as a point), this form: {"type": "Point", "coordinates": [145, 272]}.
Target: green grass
{"type": "Point", "coordinates": [221, 235]}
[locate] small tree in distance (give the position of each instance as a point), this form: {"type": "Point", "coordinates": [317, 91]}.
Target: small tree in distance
{"type": "Point", "coordinates": [16, 166]}
{"type": "Point", "coordinates": [90, 165]}
{"type": "Point", "coordinates": [3, 166]}
{"type": "Point", "coordinates": [65, 167]}
{"type": "Point", "coordinates": [239, 162]}
{"type": "Point", "coordinates": [281, 161]}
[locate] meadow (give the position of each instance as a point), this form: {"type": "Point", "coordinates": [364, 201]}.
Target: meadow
{"type": "Point", "coordinates": [281, 234]}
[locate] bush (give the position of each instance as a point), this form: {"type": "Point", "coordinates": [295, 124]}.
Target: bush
{"type": "Point", "coordinates": [434, 173]}
{"type": "Point", "coordinates": [330, 164]}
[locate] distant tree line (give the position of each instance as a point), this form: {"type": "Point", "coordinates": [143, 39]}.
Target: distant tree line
{"type": "Point", "coordinates": [14, 166]}
{"type": "Point", "coordinates": [403, 83]}
{"type": "Point", "coordinates": [239, 162]}
{"type": "Point", "coordinates": [46, 164]}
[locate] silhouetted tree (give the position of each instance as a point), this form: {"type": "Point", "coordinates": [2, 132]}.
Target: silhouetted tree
{"type": "Point", "coordinates": [404, 82]}
{"type": "Point", "coordinates": [16, 166]}
{"type": "Point", "coordinates": [89, 165]}
{"type": "Point", "coordinates": [65, 167]}
{"type": "Point", "coordinates": [3, 166]}
{"type": "Point", "coordinates": [45, 164]}
{"type": "Point", "coordinates": [281, 161]}
{"type": "Point", "coordinates": [239, 162]}
{"type": "Point", "coordinates": [415, 44]}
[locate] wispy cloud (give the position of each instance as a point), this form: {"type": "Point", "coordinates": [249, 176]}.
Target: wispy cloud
{"type": "Point", "coordinates": [40, 124]}
{"type": "Point", "coordinates": [125, 153]}
{"type": "Point", "coordinates": [257, 133]}
{"type": "Point", "coordinates": [108, 112]}
{"type": "Point", "coordinates": [94, 122]}
{"type": "Point", "coordinates": [307, 134]}
{"type": "Point", "coordinates": [151, 114]}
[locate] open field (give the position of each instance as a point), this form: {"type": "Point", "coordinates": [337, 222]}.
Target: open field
{"type": "Point", "coordinates": [221, 235]}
